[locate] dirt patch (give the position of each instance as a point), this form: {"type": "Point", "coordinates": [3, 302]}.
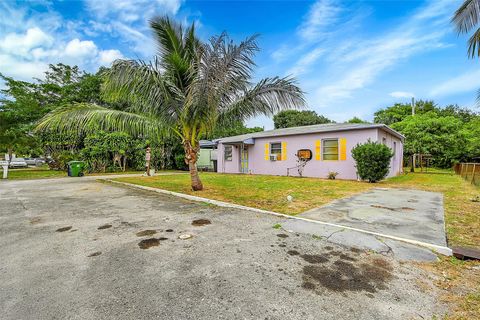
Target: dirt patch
{"type": "Point", "coordinates": [146, 233]}
{"type": "Point", "coordinates": [105, 226]}
{"type": "Point", "coordinates": [282, 235]}
{"type": "Point", "coordinates": [308, 285]}
{"type": "Point", "coordinates": [282, 245]}
{"type": "Point", "coordinates": [200, 222]}
{"type": "Point", "coordinates": [355, 250]}
{"type": "Point", "coordinates": [407, 209]}
{"type": "Point", "coordinates": [169, 230]}
{"type": "Point", "coordinates": [335, 253]}
{"type": "Point", "coordinates": [314, 258]}
{"type": "Point", "coordinates": [293, 252]}
{"type": "Point", "coordinates": [344, 276]}
{"type": "Point", "coordinates": [148, 243]}
{"type": "Point", "coordinates": [63, 229]}
{"type": "Point", "coordinates": [95, 254]}
{"type": "Point", "coordinates": [347, 258]}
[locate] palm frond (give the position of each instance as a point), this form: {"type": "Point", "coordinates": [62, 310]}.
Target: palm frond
{"type": "Point", "coordinates": [177, 49]}
{"type": "Point", "coordinates": [478, 99]}
{"type": "Point", "coordinates": [268, 97]}
{"type": "Point", "coordinates": [467, 16]}
{"type": "Point", "coordinates": [474, 44]}
{"type": "Point", "coordinates": [83, 118]}
{"type": "Point", "coordinates": [168, 34]}
{"type": "Point", "coordinates": [223, 68]}
{"type": "Point", "coordinates": [144, 87]}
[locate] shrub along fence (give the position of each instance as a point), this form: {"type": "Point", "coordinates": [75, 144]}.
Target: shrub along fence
{"type": "Point", "coordinates": [469, 171]}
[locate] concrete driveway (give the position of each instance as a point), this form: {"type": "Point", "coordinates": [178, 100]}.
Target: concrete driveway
{"type": "Point", "coordinates": [79, 249]}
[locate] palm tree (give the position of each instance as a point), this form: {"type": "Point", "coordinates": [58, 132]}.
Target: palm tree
{"type": "Point", "coordinates": [189, 88]}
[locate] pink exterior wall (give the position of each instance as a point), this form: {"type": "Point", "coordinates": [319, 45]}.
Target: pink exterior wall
{"type": "Point", "coordinates": [314, 168]}
{"type": "Point", "coordinates": [396, 164]}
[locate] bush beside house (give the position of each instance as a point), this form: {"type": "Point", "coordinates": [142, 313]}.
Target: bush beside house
{"type": "Point", "coordinates": [372, 160]}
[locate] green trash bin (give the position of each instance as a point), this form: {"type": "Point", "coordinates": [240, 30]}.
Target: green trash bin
{"type": "Point", "coordinates": [75, 168]}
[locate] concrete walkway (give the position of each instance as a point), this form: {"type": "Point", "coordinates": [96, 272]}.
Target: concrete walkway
{"type": "Point", "coordinates": [407, 214]}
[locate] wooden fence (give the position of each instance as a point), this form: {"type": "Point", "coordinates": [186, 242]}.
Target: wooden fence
{"type": "Point", "coordinates": [469, 171]}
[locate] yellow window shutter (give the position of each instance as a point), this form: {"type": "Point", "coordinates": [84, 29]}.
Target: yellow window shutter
{"type": "Point", "coordinates": [267, 149]}
{"type": "Point", "coordinates": [343, 148]}
{"type": "Point", "coordinates": [284, 151]}
{"type": "Point", "coordinates": [318, 145]}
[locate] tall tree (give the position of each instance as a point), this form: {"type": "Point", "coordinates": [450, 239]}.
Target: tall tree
{"type": "Point", "coordinates": [296, 118]}
{"type": "Point", "coordinates": [357, 120]}
{"type": "Point", "coordinates": [188, 89]}
{"type": "Point", "coordinates": [23, 103]}
{"type": "Point", "coordinates": [430, 133]}
{"type": "Point", "coordinates": [19, 108]}
{"type": "Point", "coordinates": [399, 111]}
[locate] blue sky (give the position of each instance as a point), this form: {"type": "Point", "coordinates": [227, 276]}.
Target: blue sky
{"type": "Point", "coordinates": [350, 57]}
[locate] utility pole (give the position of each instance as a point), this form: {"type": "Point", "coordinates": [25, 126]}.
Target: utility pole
{"type": "Point", "coordinates": [412, 169]}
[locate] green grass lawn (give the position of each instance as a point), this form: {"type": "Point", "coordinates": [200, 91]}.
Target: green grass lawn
{"type": "Point", "coordinates": [34, 173]}
{"type": "Point", "coordinates": [44, 172]}
{"type": "Point", "coordinates": [259, 191]}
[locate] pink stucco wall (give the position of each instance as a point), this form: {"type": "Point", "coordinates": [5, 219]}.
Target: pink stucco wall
{"type": "Point", "coordinates": [314, 168]}
{"type": "Point", "coordinates": [396, 164]}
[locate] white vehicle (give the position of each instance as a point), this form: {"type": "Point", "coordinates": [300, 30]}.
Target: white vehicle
{"type": "Point", "coordinates": [18, 163]}
{"type": "Point", "coordinates": [34, 161]}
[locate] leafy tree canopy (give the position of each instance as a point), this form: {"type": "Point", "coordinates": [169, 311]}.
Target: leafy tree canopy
{"type": "Point", "coordinates": [357, 120]}
{"type": "Point", "coordinates": [235, 129]}
{"type": "Point", "coordinates": [432, 134]}
{"type": "Point", "coordinates": [23, 103]}
{"type": "Point", "coordinates": [295, 118]}
{"type": "Point", "coordinates": [400, 111]}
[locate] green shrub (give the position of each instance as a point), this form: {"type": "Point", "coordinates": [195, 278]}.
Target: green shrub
{"type": "Point", "coordinates": [373, 160]}
{"type": "Point", "coordinates": [180, 161]}
{"type": "Point", "coordinates": [60, 160]}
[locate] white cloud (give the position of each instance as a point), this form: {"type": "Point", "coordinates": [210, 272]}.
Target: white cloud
{"type": "Point", "coordinates": [108, 56]}
{"type": "Point", "coordinates": [467, 82]}
{"type": "Point", "coordinates": [21, 44]}
{"type": "Point", "coordinates": [128, 20]}
{"type": "Point", "coordinates": [321, 16]}
{"type": "Point", "coordinates": [305, 61]}
{"type": "Point", "coordinates": [133, 10]}
{"type": "Point", "coordinates": [401, 94]}
{"type": "Point", "coordinates": [21, 69]}
{"type": "Point", "coordinates": [26, 54]}
{"type": "Point", "coordinates": [78, 49]}
{"type": "Point", "coordinates": [362, 64]}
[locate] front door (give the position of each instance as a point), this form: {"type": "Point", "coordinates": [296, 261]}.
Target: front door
{"type": "Point", "coordinates": [244, 159]}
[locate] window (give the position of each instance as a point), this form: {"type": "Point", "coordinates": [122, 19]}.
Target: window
{"type": "Point", "coordinates": [330, 149]}
{"type": "Point", "coordinates": [227, 153]}
{"type": "Point", "coordinates": [276, 148]}
{"type": "Point", "coordinates": [394, 148]}
{"type": "Point", "coordinates": [384, 141]}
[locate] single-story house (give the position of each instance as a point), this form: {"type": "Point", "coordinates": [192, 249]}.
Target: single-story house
{"type": "Point", "coordinates": [317, 150]}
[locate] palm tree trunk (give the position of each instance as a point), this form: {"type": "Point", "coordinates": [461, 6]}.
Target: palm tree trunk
{"type": "Point", "coordinates": [191, 159]}
{"type": "Point", "coordinates": [197, 184]}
